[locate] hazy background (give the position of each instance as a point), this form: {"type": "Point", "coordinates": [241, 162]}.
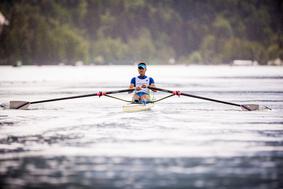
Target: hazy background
{"type": "Point", "coordinates": [158, 31]}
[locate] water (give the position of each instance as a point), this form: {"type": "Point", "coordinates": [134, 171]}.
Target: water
{"type": "Point", "coordinates": [181, 143]}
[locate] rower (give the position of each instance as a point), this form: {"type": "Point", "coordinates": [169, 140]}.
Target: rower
{"type": "Point", "coordinates": [140, 84]}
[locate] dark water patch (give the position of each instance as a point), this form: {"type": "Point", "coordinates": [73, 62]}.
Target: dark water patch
{"type": "Point", "coordinates": [39, 139]}
{"type": "Point", "coordinates": [272, 133]}
{"type": "Point", "coordinates": [272, 143]}
{"type": "Point", "coordinates": [3, 106]}
{"type": "Point", "coordinates": [13, 150]}
{"type": "Point", "coordinates": [250, 172]}
{"type": "Point", "coordinates": [6, 123]}
{"type": "Point", "coordinates": [251, 143]}
{"type": "Point", "coordinates": [256, 123]}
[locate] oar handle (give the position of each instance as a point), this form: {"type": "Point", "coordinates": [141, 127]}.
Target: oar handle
{"type": "Point", "coordinates": [194, 96]}
{"type": "Point", "coordinates": [82, 96]}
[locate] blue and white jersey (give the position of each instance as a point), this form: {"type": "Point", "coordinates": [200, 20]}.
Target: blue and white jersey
{"type": "Point", "coordinates": [140, 80]}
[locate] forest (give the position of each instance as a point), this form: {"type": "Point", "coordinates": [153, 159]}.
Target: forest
{"type": "Point", "coordinates": [51, 32]}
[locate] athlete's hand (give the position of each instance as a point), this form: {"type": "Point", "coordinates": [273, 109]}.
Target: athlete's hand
{"type": "Point", "coordinates": [138, 88]}
{"type": "Point", "coordinates": [144, 86]}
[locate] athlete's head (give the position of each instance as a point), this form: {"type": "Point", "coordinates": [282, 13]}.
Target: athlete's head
{"type": "Point", "coordinates": [142, 68]}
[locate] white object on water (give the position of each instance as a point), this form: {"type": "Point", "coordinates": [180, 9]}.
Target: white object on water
{"type": "Point", "coordinates": [137, 107]}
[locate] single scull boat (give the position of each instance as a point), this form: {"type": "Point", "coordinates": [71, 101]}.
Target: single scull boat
{"type": "Point", "coordinates": [135, 107]}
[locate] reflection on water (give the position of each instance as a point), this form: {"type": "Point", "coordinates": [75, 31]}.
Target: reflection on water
{"type": "Point", "coordinates": [180, 143]}
{"type": "Point", "coordinates": [259, 171]}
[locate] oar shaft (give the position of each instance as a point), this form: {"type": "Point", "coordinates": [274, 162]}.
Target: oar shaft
{"type": "Point", "coordinates": [64, 98]}
{"type": "Point", "coordinates": [81, 96]}
{"type": "Point", "coordinates": [194, 96]}
{"type": "Point", "coordinates": [210, 99]}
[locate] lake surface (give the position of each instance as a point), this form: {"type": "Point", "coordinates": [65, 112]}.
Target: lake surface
{"type": "Point", "coordinates": [181, 143]}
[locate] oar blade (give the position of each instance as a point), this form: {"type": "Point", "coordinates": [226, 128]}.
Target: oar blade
{"type": "Point", "coordinates": [253, 107]}
{"type": "Point", "coordinates": [21, 105]}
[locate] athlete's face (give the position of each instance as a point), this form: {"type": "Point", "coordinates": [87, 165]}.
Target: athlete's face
{"type": "Point", "coordinates": [142, 71]}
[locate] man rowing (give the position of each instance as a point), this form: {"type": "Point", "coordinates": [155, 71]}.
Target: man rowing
{"type": "Point", "coordinates": [140, 84]}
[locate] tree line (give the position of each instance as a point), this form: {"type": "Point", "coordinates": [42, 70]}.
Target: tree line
{"type": "Point", "coordinates": [122, 31]}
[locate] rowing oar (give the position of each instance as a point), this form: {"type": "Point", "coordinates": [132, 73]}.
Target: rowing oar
{"type": "Point", "coordinates": [25, 104]}
{"type": "Point", "coordinates": [247, 107]}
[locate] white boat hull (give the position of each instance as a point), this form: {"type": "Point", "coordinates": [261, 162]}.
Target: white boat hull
{"type": "Point", "coordinates": [137, 107]}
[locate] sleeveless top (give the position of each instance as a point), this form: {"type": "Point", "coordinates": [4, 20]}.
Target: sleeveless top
{"type": "Point", "coordinates": [139, 81]}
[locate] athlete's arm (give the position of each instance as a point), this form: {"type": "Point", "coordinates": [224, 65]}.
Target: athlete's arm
{"type": "Point", "coordinates": [151, 84]}
{"type": "Point", "coordinates": [132, 86]}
